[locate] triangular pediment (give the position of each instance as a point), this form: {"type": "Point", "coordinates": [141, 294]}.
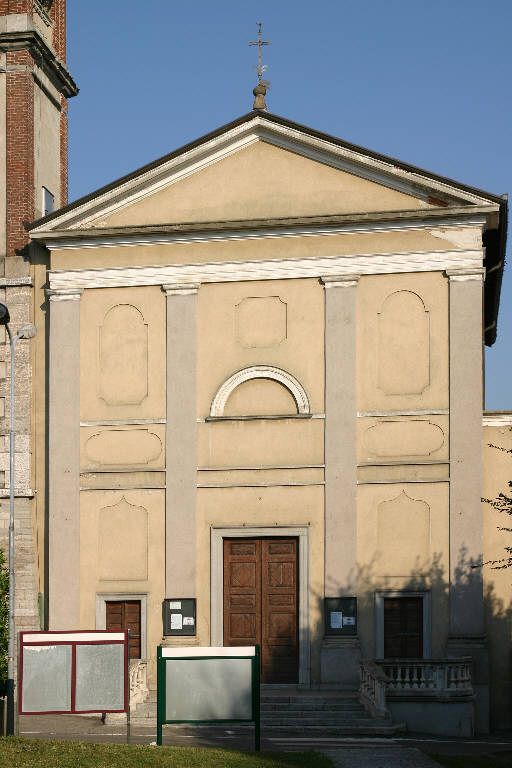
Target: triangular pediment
{"type": "Point", "coordinates": [260, 167]}
{"type": "Point", "coordinates": [261, 181]}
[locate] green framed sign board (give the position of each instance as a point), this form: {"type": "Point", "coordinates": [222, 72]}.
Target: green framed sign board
{"type": "Point", "coordinates": [208, 685]}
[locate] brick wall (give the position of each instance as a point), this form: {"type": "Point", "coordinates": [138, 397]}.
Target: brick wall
{"type": "Point", "coordinates": [19, 153]}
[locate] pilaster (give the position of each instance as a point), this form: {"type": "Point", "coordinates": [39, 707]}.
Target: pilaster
{"type": "Point", "coordinates": [64, 460]}
{"type": "Point", "coordinates": [181, 440]}
{"type": "Point", "coordinates": [340, 435]}
{"type": "Point", "coordinates": [340, 656]}
{"type": "Point", "coordinates": [466, 637]}
{"type": "Point", "coordinates": [466, 409]}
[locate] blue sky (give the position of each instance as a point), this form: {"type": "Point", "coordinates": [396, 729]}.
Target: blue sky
{"type": "Point", "coordinates": [427, 81]}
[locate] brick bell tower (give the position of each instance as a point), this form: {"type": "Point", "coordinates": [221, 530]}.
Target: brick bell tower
{"type": "Point", "coordinates": [35, 86]}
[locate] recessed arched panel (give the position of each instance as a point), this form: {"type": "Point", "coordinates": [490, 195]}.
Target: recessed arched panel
{"type": "Point", "coordinates": [260, 397]}
{"type": "Point", "coordinates": [404, 345]}
{"type": "Point", "coordinates": [260, 372]}
{"type": "Point", "coordinates": [123, 356]}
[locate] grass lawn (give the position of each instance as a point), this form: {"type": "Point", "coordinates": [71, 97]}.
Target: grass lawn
{"type": "Point", "coordinates": [35, 753]}
{"type": "Point", "coordinates": [497, 760]}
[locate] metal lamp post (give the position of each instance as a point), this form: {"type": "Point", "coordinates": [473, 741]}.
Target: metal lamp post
{"type": "Point", "coordinates": [27, 331]}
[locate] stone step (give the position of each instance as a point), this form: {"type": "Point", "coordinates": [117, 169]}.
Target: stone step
{"type": "Point", "coordinates": [387, 730]}
{"type": "Point", "coordinates": [313, 707]}
{"type": "Point", "coordinates": [323, 722]}
{"type": "Point", "coordinates": [309, 700]}
{"type": "Point", "coordinates": [319, 714]}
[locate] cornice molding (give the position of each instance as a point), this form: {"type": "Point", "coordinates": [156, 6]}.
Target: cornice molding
{"type": "Point", "coordinates": [396, 221]}
{"type": "Point", "coordinates": [503, 419]}
{"type": "Point", "coordinates": [31, 40]}
{"type": "Point", "coordinates": [268, 269]}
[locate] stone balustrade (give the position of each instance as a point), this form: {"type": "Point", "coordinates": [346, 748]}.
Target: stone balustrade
{"type": "Point", "coordinates": [430, 676]}
{"type": "Point", "coordinates": [436, 680]}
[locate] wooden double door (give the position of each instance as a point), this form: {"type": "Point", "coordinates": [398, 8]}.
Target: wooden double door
{"type": "Point", "coordinates": [260, 602]}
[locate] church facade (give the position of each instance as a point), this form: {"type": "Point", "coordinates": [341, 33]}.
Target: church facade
{"type": "Point", "coordinates": [265, 396]}
{"type": "Point", "coordinates": [253, 412]}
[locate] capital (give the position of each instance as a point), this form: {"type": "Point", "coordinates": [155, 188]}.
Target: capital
{"type": "Point", "coordinates": [180, 289]}
{"type": "Point", "coordinates": [64, 294]}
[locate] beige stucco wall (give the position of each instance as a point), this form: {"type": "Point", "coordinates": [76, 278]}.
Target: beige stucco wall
{"type": "Point", "coordinates": [497, 465]}
{"type": "Point", "coordinates": [277, 323]}
{"type": "Point", "coordinates": [239, 324]}
{"type": "Point", "coordinates": [269, 472]}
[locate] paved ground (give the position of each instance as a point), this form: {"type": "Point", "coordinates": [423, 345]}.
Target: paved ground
{"type": "Point", "coordinates": [398, 752]}
{"type": "Point", "coordinates": [394, 757]}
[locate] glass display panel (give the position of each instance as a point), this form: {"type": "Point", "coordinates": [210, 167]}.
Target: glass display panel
{"type": "Point", "coordinates": [46, 678]}
{"type": "Point", "coordinates": [100, 674]}
{"type": "Point", "coordinates": [208, 689]}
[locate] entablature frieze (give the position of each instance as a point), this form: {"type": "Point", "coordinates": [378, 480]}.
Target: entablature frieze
{"type": "Point", "coordinates": [187, 277]}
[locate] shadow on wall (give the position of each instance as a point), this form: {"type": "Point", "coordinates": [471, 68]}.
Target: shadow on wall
{"type": "Point", "coordinates": [431, 581]}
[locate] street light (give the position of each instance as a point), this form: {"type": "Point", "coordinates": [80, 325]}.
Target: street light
{"type": "Point", "coordinates": [27, 331]}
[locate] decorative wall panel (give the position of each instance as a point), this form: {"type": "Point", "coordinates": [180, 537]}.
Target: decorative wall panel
{"type": "Point", "coordinates": [414, 437]}
{"type": "Point", "coordinates": [137, 447]}
{"type": "Point", "coordinates": [123, 356]}
{"type": "Point", "coordinates": [123, 447]}
{"type": "Point", "coordinates": [260, 321]}
{"type": "Point", "coordinates": [404, 345]}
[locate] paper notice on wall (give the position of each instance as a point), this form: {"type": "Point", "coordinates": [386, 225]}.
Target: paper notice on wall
{"type": "Point", "coordinates": [188, 621]}
{"type": "Point", "coordinates": [175, 605]}
{"type": "Point", "coordinates": [349, 621]}
{"type": "Point", "coordinates": [336, 620]}
{"type": "Point", "coordinates": [176, 621]}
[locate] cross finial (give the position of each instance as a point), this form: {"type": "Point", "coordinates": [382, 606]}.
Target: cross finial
{"type": "Point", "coordinates": [261, 88]}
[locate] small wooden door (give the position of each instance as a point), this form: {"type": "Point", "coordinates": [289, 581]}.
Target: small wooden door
{"type": "Point", "coordinates": [123, 615]}
{"type": "Point", "coordinates": [260, 602]}
{"type": "Point", "coordinates": [403, 627]}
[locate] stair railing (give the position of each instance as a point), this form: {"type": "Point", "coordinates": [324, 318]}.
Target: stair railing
{"type": "Point", "coordinates": [372, 690]}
